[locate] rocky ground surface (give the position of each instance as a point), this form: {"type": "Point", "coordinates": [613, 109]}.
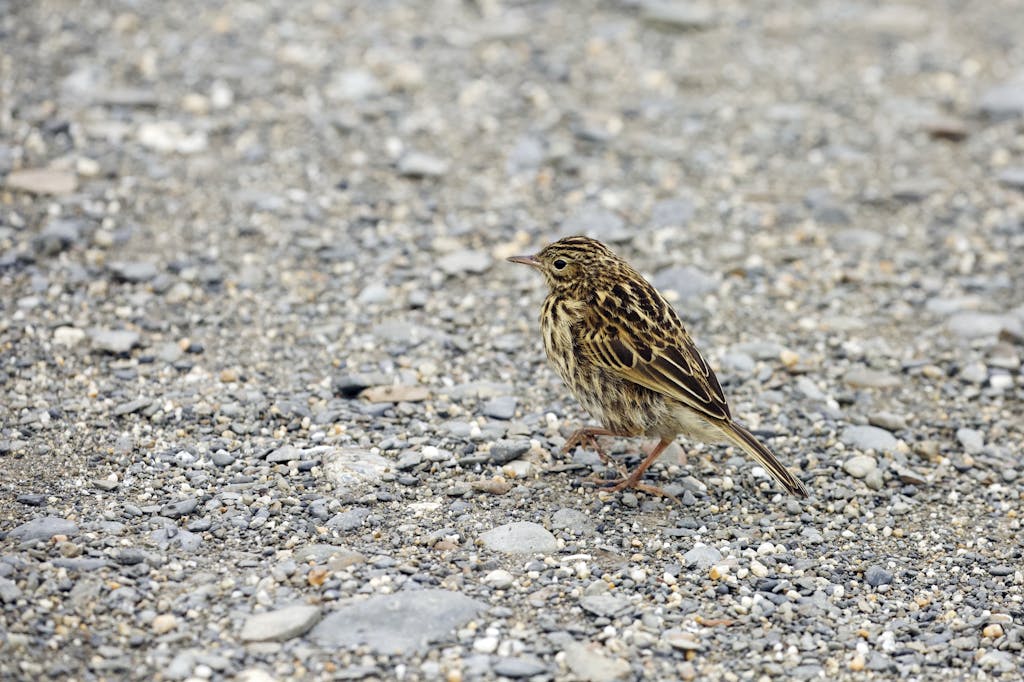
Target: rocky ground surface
{"type": "Point", "coordinates": [272, 406]}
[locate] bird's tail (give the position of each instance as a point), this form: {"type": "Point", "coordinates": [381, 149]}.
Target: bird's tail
{"type": "Point", "coordinates": [765, 457]}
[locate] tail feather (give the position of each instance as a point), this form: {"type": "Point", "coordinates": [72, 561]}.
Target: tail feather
{"type": "Point", "coordinates": [756, 449]}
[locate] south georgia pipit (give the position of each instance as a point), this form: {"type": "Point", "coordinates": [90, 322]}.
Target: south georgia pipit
{"type": "Point", "coordinates": [625, 355]}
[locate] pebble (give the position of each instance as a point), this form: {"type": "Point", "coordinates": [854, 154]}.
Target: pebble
{"type": "Point", "coordinates": [42, 181]}
{"type": "Point", "coordinates": [392, 624]}
{"type": "Point", "coordinates": [520, 666]}
{"type": "Point", "coordinates": [687, 281]}
{"type": "Point", "coordinates": [504, 451]}
{"type": "Point", "coordinates": [860, 466]}
{"type": "Point", "coordinates": [500, 408]}
{"type": "Point", "coordinates": [43, 528]}
{"type": "Point", "coordinates": [972, 440]}
{"type": "Point", "coordinates": [604, 604]}
{"type": "Point", "coordinates": [877, 575]}
{"type": "Point", "coordinates": [499, 579]}
{"type": "Point", "coordinates": [1012, 177]}
{"type": "Point", "coordinates": [420, 165]}
{"type": "Point", "coordinates": [520, 537]}
{"type": "Point", "coordinates": [702, 556]}
{"type": "Point", "coordinates": [1005, 100]}
{"type": "Point", "coordinates": [133, 271]}
{"type": "Point", "coordinates": [682, 640]}
{"type": "Point", "coordinates": [597, 222]}
{"type": "Point", "coordinates": [68, 336]}
{"type": "Point", "coordinates": [587, 662]}
{"type": "Point", "coordinates": [281, 624]}
{"type": "Point", "coordinates": [683, 16]}
{"type": "Point", "coordinates": [887, 420]}
{"type": "Point", "coordinates": [116, 341]}
{"type": "Point", "coordinates": [163, 623]}
{"type": "Point", "coordinates": [572, 520]}
{"type": "Point", "coordinates": [463, 262]}
{"type": "Point", "coordinates": [869, 438]}
{"type": "Point", "coordinates": [973, 325]}
{"type": "Point", "coordinates": [350, 467]}
{"type": "Point", "coordinates": [869, 378]}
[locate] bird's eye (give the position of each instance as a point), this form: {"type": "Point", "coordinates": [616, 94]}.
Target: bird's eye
{"type": "Point", "coordinates": [559, 264]}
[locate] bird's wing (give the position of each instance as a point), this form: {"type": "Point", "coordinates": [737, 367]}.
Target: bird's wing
{"type": "Point", "coordinates": [633, 332]}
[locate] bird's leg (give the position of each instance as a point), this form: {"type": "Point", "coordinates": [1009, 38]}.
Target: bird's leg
{"type": "Point", "coordinates": [588, 436]}
{"type": "Point", "coordinates": [633, 480]}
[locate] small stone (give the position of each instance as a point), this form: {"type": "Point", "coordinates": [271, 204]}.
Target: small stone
{"type": "Point", "coordinates": [114, 341]}
{"type": "Point", "coordinates": [572, 520]}
{"type": "Point", "coordinates": [465, 261]}
{"type": "Point", "coordinates": [1004, 101]}
{"type": "Point", "coordinates": [420, 165]}
{"type": "Point", "coordinates": [520, 666]}
{"type": "Point", "coordinates": [171, 137]}
{"type": "Point", "coordinates": [68, 336]}
{"type": "Point", "coordinates": [395, 394]}
{"type": "Point", "coordinates": [1013, 177]}
{"type": "Point", "coordinates": [374, 293]}
{"type": "Point", "coordinates": [972, 440]}
{"type": "Point", "coordinates": [605, 604]}
{"type": "Point", "coordinates": [503, 407]}
{"type": "Point", "coordinates": [587, 662]}
{"type": "Point", "coordinates": [43, 528]}
{"type": "Point", "coordinates": [499, 579]}
{"type": "Point", "coordinates": [857, 663]}
{"type": "Point", "coordinates": [687, 281]}
{"type": "Point", "coordinates": [134, 271]}
{"type": "Point", "coordinates": [42, 181]}
{"type": "Point", "coordinates": [860, 466]}
{"type": "Point", "coordinates": [1001, 571]}
{"type": "Point", "coordinates": [520, 537]}
{"type": "Point", "coordinates": [9, 592]}
{"type": "Point", "coordinates": [993, 631]}
{"type": "Point", "coordinates": [888, 421]}
{"type": "Point", "coordinates": [280, 625]}
{"type": "Point", "coordinates": [174, 510]}
{"type": "Point", "coordinates": [31, 499]}
{"type": "Point", "coordinates": [681, 639]}
{"type": "Point", "coordinates": [876, 575]}
{"type": "Point", "coordinates": [869, 438]}
{"type": "Point", "coordinates": [505, 451]}
{"type": "Point", "coordinates": [222, 458]}
{"type": "Point", "coordinates": [400, 623]}
{"type": "Point", "coordinates": [973, 325]}
{"type": "Point", "coordinates": [702, 556]}
{"type": "Point", "coordinates": [856, 240]}
{"type": "Point", "coordinates": [677, 14]}
{"type": "Point", "coordinates": [869, 378]}
{"type": "Point", "coordinates": [164, 623]}
{"type": "Point", "coordinates": [354, 85]}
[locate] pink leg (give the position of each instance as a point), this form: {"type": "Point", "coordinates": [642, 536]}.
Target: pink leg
{"type": "Point", "coordinates": [633, 480]}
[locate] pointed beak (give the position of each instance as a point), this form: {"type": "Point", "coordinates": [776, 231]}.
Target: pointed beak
{"type": "Point", "coordinates": [525, 260]}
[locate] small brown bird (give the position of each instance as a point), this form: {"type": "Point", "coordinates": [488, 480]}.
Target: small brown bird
{"type": "Point", "coordinates": [623, 352]}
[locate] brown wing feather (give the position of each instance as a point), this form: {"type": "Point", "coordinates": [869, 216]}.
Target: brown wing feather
{"type": "Point", "coordinates": [634, 333]}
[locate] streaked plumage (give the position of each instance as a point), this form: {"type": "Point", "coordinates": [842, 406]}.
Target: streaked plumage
{"type": "Point", "coordinates": [624, 353]}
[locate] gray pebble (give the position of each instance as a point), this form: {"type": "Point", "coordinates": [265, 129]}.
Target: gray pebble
{"type": "Point", "coordinates": [597, 222]}
{"type": "Point", "coordinates": [972, 440]}
{"type": "Point", "coordinates": [1005, 100]}
{"type": "Point", "coordinates": [281, 624]}
{"type": "Point", "coordinates": [464, 262]}
{"type": "Point", "coordinates": [43, 528]}
{"type": "Point", "coordinates": [419, 165]}
{"type": "Point", "coordinates": [520, 537]}
{"type": "Point", "coordinates": [400, 623]}
{"type": "Point", "coordinates": [860, 466]}
{"type": "Point", "coordinates": [887, 420]}
{"type": "Point", "coordinates": [520, 666]}
{"type": "Point", "coordinates": [686, 280]}
{"type": "Point", "coordinates": [1013, 177]}
{"type": "Point", "coordinates": [869, 438]}
{"type": "Point", "coordinates": [116, 341]}
{"type": "Point", "coordinates": [503, 407]}
{"type": "Point", "coordinates": [877, 575]}
{"type": "Point", "coordinates": [133, 271]}
{"type": "Point", "coordinates": [174, 510]}
{"type": "Point", "coordinates": [505, 451]}
{"type": "Point", "coordinates": [702, 556]}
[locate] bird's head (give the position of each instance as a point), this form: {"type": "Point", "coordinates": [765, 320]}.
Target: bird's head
{"type": "Point", "coordinates": [571, 264]}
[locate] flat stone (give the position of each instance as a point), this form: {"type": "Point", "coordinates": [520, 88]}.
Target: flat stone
{"type": "Point", "coordinates": [520, 537]}
{"type": "Point", "coordinates": [395, 394]}
{"type": "Point", "coordinates": [43, 528]}
{"type": "Point", "coordinates": [505, 451]}
{"type": "Point", "coordinates": [877, 575]}
{"type": "Point", "coordinates": [350, 519]}
{"type": "Point", "coordinates": [280, 625]}
{"type": "Point", "coordinates": [9, 591]}
{"type": "Point", "coordinates": [464, 261]}
{"type": "Point", "coordinates": [399, 623]}
{"type": "Point", "coordinates": [285, 453]}
{"type": "Point", "coordinates": [870, 378]}
{"type": "Point", "coordinates": [503, 407]}
{"type": "Point", "coordinates": [887, 420]}
{"type": "Point", "coordinates": [1012, 177]}
{"type": "Point", "coordinates": [682, 640]}
{"type": "Point", "coordinates": [869, 438]}
{"type": "Point", "coordinates": [588, 663]}
{"type": "Point", "coordinates": [42, 181]}
{"type": "Point", "coordinates": [972, 440]}
{"type": "Point", "coordinates": [677, 14]}
{"type": "Point", "coordinates": [171, 137]}
{"type": "Point", "coordinates": [354, 85]}
{"type": "Point", "coordinates": [860, 466]}
{"type": "Point", "coordinates": [572, 520]}
{"type": "Point", "coordinates": [114, 341]}
{"type": "Point", "coordinates": [353, 466]}
{"type": "Point", "coordinates": [174, 510]}
{"type": "Point", "coordinates": [420, 165]}
{"type": "Point", "coordinates": [1005, 100]}
{"type": "Point", "coordinates": [702, 556]}
{"type": "Point", "coordinates": [134, 271]}
{"type": "Point", "coordinates": [605, 604]}
{"type": "Point", "coordinates": [686, 280]}
{"type": "Point", "coordinates": [856, 239]}
{"type": "Point", "coordinates": [972, 325]}
{"type": "Point", "coordinates": [520, 666]}
{"type": "Point", "coordinates": [68, 336]}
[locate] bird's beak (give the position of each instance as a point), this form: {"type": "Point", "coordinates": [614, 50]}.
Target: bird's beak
{"type": "Point", "coordinates": [525, 260]}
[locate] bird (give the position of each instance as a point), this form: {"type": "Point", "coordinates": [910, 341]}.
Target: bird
{"type": "Point", "coordinates": [623, 352]}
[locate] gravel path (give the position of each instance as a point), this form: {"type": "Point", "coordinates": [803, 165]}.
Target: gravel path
{"type": "Point", "coordinates": [272, 406]}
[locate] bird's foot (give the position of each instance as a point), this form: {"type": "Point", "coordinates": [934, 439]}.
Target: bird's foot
{"type": "Point", "coordinates": [627, 483]}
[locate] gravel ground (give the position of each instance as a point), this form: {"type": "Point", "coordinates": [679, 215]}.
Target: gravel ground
{"type": "Point", "coordinates": [272, 406]}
